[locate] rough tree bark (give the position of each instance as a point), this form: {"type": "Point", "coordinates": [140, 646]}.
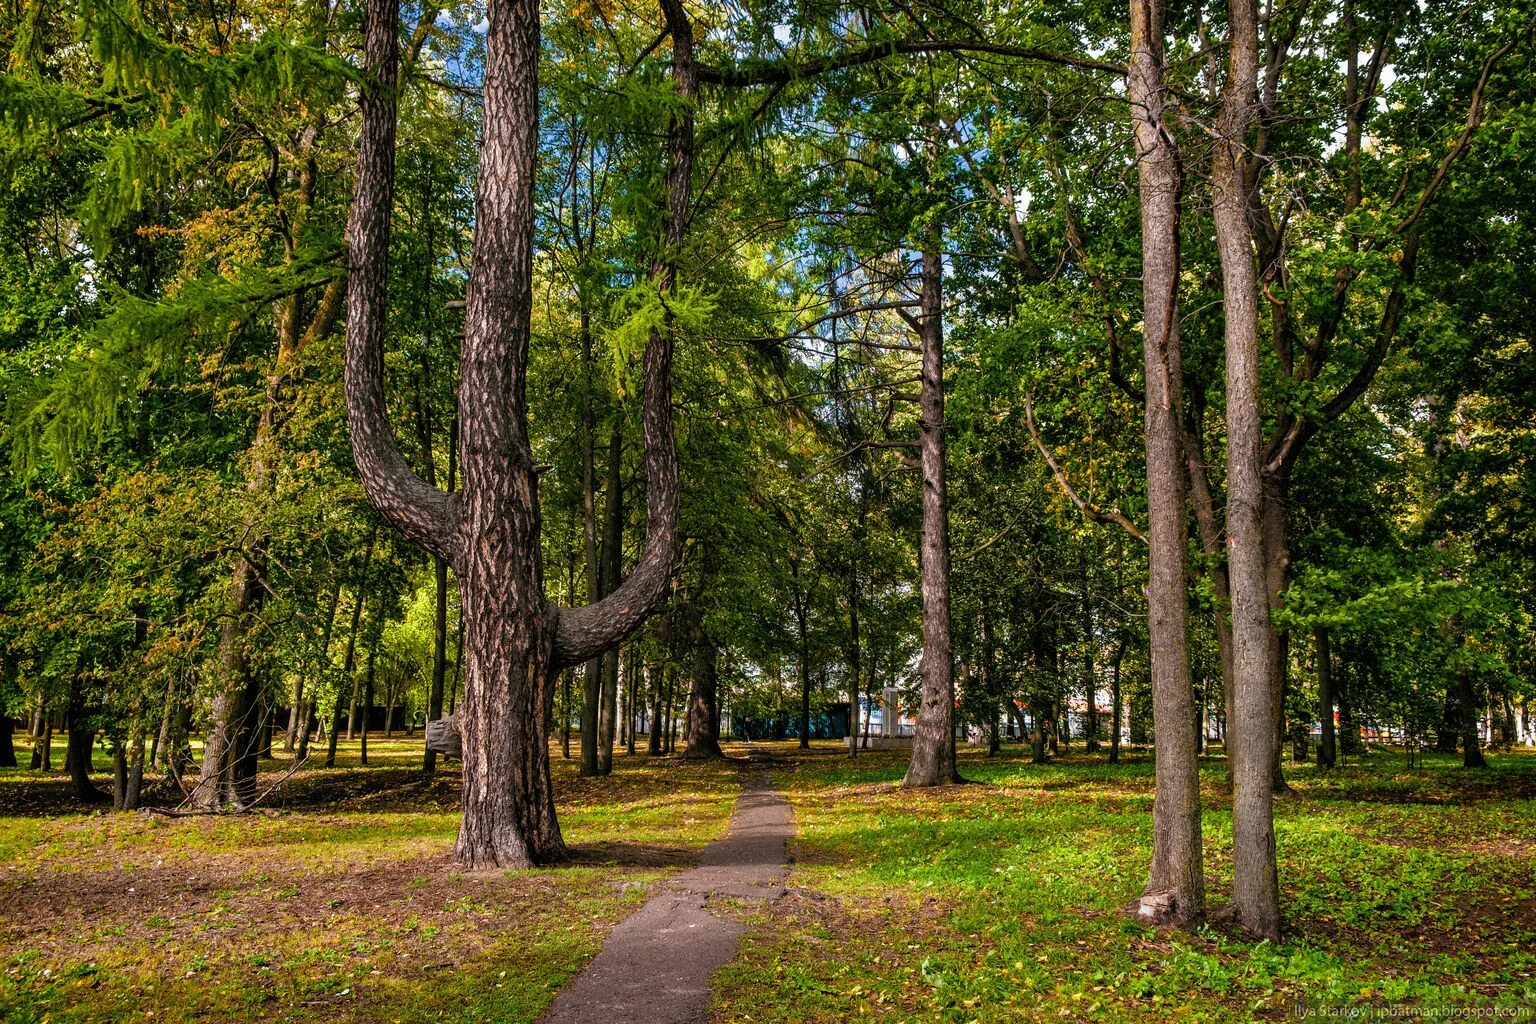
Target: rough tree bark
{"type": "Point", "coordinates": [515, 642]}
{"type": "Point", "coordinates": [1175, 890]}
{"type": "Point", "coordinates": [933, 738]}
{"type": "Point", "coordinates": [704, 694]}
{"type": "Point", "coordinates": [1254, 732]}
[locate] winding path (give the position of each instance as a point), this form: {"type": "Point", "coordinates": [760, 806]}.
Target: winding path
{"type": "Point", "coordinates": [657, 964]}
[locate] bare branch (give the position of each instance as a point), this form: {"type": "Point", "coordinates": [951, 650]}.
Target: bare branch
{"type": "Point", "coordinates": [1088, 508]}
{"type": "Point", "coordinates": [788, 71]}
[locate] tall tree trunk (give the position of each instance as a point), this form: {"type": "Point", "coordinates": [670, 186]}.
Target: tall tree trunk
{"type": "Point", "coordinates": [653, 734]}
{"type": "Point", "coordinates": [1175, 890]}
{"type": "Point", "coordinates": [311, 723]}
{"type": "Point", "coordinates": [178, 759]}
{"type": "Point", "coordinates": [1213, 549]}
{"type": "Point", "coordinates": [348, 661]}
{"type": "Point", "coordinates": [933, 738]}
{"type": "Point", "coordinates": [803, 659]}
{"type": "Point", "coordinates": [42, 749]}
{"type": "Point", "coordinates": [1114, 698]}
{"type": "Point", "coordinates": [157, 740]}
{"type": "Point", "coordinates": [81, 736]}
{"type": "Point", "coordinates": [1471, 751]}
{"type": "Point", "coordinates": [565, 715]}
{"type": "Point", "coordinates": [119, 775]}
{"type": "Point", "coordinates": [373, 653]}
{"type": "Point", "coordinates": [672, 715]}
{"type": "Point", "coordinates": [855, 653]}
{"type": "Point", "coordinates": [1255, 731]}
{"type": "Point", "coordinates": [295, 713]}
{"type": "Point", "coordinates": [703, 711]}
{"type": "Point", "coordinates": [612, 568]}
{"type": "Point", "coordinates": [135, 786]}
{"type": "Point", "coordinates": [592, 676]}
{"type": "Point", "coordinates": [251, 738]}
{"type": "Point", "coordinates": [991, 681]}
{"type": "Point", "coordinates": [638, 679]}
{"type": "Point", "coordinates": [236, 681]}
{"type": "Point", "coordinates": [1037, 734]}
{"type": "Point", "coordinates": [429, 468]}
{"type": "Point", "coordinates": [1090, 681]}
{"type": "Point", "coordinates": [1327, 755]}
{"type": "Point", "coordinates": [439, 651]}
{"type": "Point", "coordinates": [1349, 741]}
{"type": "Point", "coordinates": [515, 642]}
{"type": "Point", "coordinates": [608, 714]}
{"type": "Point", "coordinates": [1275, 524]}
{"type": "Point", "coordinates": [626, 684]}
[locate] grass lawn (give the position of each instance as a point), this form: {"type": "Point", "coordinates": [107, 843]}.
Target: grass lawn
{"type": "Point", "coordinates": [996, 901]}
{"type": "Point", "coordinates": [999, 901]}
{"type": "Point", "coordinates": [343, 906]}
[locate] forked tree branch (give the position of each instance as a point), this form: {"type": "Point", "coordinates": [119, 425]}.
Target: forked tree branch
{"type": "Point", "coordinates": [581, 633]}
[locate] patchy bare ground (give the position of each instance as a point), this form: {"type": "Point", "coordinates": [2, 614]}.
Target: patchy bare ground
{"type": "Point", "coordinates": [337, 901]}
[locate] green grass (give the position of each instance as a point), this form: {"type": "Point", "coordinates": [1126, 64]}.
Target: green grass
{"type": "Point", "coordinates": [1001, 901]}
{"type": "Point", "coordinates": [343, 906]}
{"type": "Point", "coordinates": [998, 901]}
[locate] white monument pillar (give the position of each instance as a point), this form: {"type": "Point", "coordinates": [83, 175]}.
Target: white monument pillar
{"type": "Point", "coordinates": [890, 714]}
